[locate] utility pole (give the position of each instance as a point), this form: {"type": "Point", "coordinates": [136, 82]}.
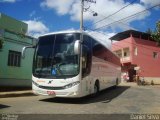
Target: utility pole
{"type": "Point", "coordinates": [81, 19]}
{"type": "Point", "coordinates": [82, 8]}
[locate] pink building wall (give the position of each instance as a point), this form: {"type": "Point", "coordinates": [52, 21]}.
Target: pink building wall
{"type": "Point", "coordinates": [149, 66]}
{"type": "Point", "coordinates": [118, 45]}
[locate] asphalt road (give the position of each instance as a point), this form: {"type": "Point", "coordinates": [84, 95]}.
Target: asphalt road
{"type": "Point", "coordinates": [121, 100]}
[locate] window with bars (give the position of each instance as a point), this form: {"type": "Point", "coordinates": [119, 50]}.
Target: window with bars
{"type": "Point", "coordinates": [14, 58]}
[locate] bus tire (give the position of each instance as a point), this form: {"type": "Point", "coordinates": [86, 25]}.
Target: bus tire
{"type": "Point", "coordinates": [117, 82]}
{"type": "Point", "coordinates": [96, 88]}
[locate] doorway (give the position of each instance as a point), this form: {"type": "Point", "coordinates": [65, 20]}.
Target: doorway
{"type": "Point", "coordinates": [131, 74]}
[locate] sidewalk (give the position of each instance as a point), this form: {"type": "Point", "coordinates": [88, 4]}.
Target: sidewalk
{"type": "Point", "coordinates": [16, 93]}
{"type": "Point", "coordinates": [133, 84]}
{"type": "Point", "coordinates": [128, 84]}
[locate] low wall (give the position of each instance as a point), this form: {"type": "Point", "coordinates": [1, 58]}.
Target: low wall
{"type": "Point", "coordinates": [12, 82]}
{"type": "Point", "coordinates": [149, 80]}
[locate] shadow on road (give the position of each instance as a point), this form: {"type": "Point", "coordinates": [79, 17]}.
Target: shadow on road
{"type": "Point", "coordinates": [3, 106]}
{"type": "Point", "coordinates": [104, 96]}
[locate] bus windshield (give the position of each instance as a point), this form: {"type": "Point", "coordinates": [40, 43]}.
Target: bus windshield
{"type": "Point", "coordinates": [54, 57]}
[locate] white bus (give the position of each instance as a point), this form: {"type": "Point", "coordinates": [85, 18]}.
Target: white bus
{"type": "Point", "coordinates": [64, 65]}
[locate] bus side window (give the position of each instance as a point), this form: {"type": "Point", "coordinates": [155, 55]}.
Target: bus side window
{"type": "Point", "coordinates": [97, 50]}
{"type": "Point", "coordinates": [100, 51]}
{"type": "Point", "coordinates": [86, 56]}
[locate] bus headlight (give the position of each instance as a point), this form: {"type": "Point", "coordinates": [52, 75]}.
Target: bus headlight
{"type": "Point", "coordinates": [71, 84]}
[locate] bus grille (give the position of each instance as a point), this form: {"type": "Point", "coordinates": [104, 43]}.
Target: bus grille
{"type": "Point", "coordinates": [50, 87]}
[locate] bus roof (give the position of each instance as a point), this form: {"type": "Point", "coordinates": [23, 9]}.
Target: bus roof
{"type": "Point", "coordinates": [61, 32]}
{"type": "Point", "coordinates": [71, 31]}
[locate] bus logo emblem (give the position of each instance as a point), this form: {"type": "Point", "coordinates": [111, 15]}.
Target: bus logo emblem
{"type": "Point", "coordinates": [50, 82]}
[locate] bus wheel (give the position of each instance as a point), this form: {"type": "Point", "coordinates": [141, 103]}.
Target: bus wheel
{"type": "Point", "coordinates": [117, 82]}
{"type": "Point", "coordinates": [96, 88]}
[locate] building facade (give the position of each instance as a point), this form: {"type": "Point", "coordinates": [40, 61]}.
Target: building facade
{"type": "Point", "coordinates": [15, 71]}
{"type": "Point", "coordinates": [139, 55]}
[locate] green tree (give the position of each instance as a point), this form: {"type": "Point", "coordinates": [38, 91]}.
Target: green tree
{"type": "Point", "coordinates": [149, 31]}
{"type": "Point", "coordinates": [156, 35]}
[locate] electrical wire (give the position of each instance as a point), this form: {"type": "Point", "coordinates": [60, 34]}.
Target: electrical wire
{"type": "Point", "coordinates": [111, 19]}
{"type": "Point", "coordinates": [114, 13]}
{"type": "Point", "coordinates": [127, 17]}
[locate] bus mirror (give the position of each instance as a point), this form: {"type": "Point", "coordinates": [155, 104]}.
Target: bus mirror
{"type": "Point", "coordinates": [77, 47]}
{"type": "Point", "coordinates": [24, 50]}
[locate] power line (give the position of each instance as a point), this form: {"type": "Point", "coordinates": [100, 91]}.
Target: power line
{"type": "Point", "coordinates": [127, 17]}
{"type": "Point", "coordinates": [98, 32]}
{"type": "Point", "coordinates": [111, 19]}
{"type": "Point", "coordinates": [114, 13]}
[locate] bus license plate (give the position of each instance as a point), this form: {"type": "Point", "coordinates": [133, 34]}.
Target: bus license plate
{"type": "Point", "coordinates": [50, 92]}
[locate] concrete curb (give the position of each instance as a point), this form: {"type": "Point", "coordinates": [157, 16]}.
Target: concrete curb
{"type": "Point", "coordinates": [16, 94]}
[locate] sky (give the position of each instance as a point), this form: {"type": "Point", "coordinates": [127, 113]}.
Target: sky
{"type": "Point", "coordinates": [44, 16]}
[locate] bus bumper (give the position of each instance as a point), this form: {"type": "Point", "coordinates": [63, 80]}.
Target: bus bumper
{"type": "Point", "coordinates": [72, 92]}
